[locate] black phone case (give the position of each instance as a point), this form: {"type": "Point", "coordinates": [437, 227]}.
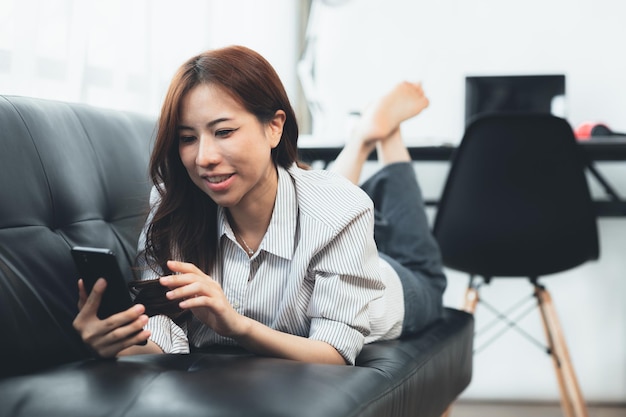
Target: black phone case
{"type": "Point", "coordinates": [94, 263]}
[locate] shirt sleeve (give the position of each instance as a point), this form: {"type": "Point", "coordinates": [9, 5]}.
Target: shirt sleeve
{"type": "Point", "coordinates": [347, 280]}
{"type": "Point", "coordinates": [168, 335]}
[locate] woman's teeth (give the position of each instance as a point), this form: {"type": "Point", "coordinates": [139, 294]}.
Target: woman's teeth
{"type": "Point", "coordinates": [218, 179]}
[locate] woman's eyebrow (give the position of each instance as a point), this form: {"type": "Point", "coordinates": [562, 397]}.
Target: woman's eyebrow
{"type": "Point", "coordinates": [210, 124]}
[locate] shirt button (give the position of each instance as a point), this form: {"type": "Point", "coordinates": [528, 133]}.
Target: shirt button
{"type": "Point", "coordinates": [236, 304]}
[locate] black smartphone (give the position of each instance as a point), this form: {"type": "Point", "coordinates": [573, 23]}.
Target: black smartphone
{"type": "Point", "coordinates": [94, 263]}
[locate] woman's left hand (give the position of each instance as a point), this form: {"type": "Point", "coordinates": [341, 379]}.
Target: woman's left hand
{"type": "Point", "coordinates": [205, 298]}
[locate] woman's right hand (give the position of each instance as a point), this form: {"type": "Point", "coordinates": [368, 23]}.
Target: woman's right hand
{"type": "Point", "coordinates": [110, 336]}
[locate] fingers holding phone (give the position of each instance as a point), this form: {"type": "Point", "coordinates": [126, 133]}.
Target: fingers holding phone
{"type": "Point", "coordinates": [107, 319]}
{"type": "Point", "coordinates": [108, 337]}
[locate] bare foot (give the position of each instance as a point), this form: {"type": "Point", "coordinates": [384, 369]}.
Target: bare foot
{"type": "Point", "coordinates": [384, 116]}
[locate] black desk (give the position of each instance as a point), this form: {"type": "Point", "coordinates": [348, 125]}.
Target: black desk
{"type": "Point", "coordinates": [596, 150]}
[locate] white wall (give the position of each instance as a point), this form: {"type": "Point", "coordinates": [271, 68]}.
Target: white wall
{"type": "Point", "coordinates": [269, 27]}
{"type": "Point", "coordinates": [365, 46]}
{"type": "Point", "coordinates": [122, 54]}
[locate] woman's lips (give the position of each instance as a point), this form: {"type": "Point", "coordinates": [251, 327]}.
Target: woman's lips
{"type": "Point", "coordinates": [218, 183]}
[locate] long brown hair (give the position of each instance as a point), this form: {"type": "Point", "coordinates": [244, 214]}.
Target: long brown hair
{"type": "Point", "coordinates": [184, 225]}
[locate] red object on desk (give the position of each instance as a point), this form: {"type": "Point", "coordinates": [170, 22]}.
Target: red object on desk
{"type": "Point", "coordinates": [587, 130]}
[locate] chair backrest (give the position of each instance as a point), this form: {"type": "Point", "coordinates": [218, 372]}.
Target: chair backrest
{"type": "Point", "coordinates": [516, 201]}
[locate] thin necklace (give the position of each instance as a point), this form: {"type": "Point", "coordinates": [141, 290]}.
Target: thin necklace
{"type": "Point", "coordinates": [248, 249]}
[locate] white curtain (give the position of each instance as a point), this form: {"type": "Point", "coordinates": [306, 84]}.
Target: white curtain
{"type": "Point", "coordinates": [122, 53]}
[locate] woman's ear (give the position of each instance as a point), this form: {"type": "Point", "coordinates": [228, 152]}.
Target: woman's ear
{"type": "Point", "coordinates": [275, 127]}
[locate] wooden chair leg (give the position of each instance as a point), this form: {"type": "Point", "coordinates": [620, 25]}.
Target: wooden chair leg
{"type": "Point", "coordinates": [566, 406]}
{"type": "Point", "coordinates": [572, 400]}
{"type": "Point", "coordinates": [471, 299]}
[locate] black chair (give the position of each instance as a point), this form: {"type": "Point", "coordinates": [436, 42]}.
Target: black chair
{"type": "Point", "coordinates": [516, 204]}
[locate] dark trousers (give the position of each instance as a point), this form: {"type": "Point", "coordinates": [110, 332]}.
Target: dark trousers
{"type": "Point", "coordinates": [404, 239]}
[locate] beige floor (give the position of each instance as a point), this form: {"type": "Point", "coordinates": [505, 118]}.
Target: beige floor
{"type": "Point", "coordinates": [483, 409]}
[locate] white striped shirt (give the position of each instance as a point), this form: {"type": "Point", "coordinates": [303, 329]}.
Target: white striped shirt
{"type": "Point", "coordinates": [315, 274]}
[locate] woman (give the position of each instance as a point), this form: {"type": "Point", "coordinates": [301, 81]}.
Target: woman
{"type": "Point", "coordinates": [264, 254]}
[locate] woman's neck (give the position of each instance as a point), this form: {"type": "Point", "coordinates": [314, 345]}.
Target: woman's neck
{"type": "Point", "coordinates": [251, 219]}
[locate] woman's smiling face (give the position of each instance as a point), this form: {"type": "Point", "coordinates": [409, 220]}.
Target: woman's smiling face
{"type": "Point", "coordinates": [225, 149]}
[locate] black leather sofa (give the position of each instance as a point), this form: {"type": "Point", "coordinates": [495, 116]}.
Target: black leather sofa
{"type": "Point", "coordinates": [76, 175]}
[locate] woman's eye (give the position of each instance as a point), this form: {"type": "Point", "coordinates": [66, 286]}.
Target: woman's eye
{"type": "Point", "coordinates": [186, 139]}
{"type": "Point", "coordinates": [224, 133]}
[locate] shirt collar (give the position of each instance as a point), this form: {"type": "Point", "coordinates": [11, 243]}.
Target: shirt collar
{"type": "Point", "coordinates": [281, 233]}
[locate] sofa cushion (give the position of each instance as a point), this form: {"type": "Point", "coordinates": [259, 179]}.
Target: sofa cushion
{"type": "Point", "coordinates": [71, 175]}
{"type": "Point", "coordinates": [417, 376]}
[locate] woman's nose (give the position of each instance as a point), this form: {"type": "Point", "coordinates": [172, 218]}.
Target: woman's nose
{"type": "Point", "coordinates": [208, 152]}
